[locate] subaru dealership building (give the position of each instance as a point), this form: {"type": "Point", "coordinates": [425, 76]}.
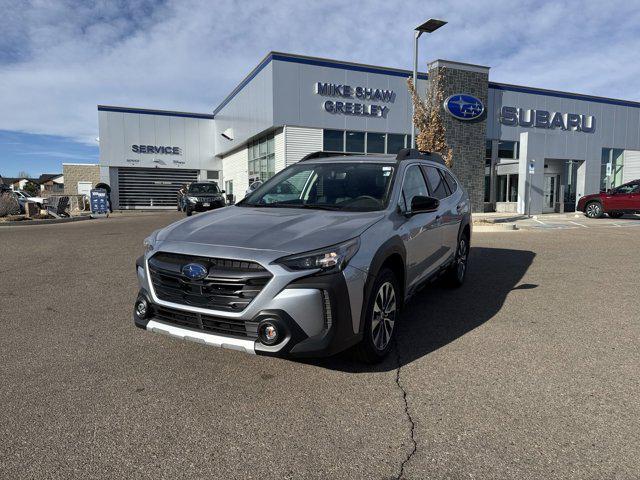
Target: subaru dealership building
{"type": "Point", "coordinates": [565, 144]}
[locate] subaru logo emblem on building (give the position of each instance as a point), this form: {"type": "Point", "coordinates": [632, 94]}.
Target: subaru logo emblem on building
{"type": "Point", "coordinates": [194, 271]}
{"type": "Point", "coordinates": [464, 107]}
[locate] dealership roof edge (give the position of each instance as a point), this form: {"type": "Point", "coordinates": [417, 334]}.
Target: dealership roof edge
{"type": "Point", "coordinates": [303, 59]}
{"type": "Point", "coordinates": [318, 61]}
{"type": "Point", "coordinates": [148, 111]}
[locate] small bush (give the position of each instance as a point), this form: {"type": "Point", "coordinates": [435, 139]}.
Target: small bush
{"type": "Point", "coordinates": [9, 204]}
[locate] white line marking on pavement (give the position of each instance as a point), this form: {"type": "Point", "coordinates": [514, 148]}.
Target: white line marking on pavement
{"type": "Point", "coordinates": [536, 220]}
{"type": "Point", "coordinates": [576, 223]}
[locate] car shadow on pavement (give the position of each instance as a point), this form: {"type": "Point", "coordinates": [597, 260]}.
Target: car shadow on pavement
{"type": "Point", "coordinates": [437, 315]}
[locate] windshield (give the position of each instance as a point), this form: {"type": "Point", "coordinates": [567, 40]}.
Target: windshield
{"type": "Point", "coordinates": [331, 186]}
{"type": "Point", "coordinates": [203, 188]}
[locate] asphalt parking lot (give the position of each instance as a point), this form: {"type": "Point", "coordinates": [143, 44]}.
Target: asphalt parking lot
{"type": "Point", "coordinates": [531, 370]}
{"type": "Point", "coordinates": [577, 221]}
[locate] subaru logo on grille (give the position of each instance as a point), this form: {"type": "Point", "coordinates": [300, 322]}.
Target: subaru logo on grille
{"type": "Point", "coordinates": [194, 271]}
{"type": "Point", "coordinates": [463, 106]}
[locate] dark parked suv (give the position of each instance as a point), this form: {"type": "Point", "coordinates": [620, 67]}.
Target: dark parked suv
{"type": "Point", "coordinates": [200, 196]}
{"type": "Point", "coordinates": [615, 202]}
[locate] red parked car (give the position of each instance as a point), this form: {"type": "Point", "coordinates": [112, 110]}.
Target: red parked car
{"type": "Point", "coordinates": [615, 202]}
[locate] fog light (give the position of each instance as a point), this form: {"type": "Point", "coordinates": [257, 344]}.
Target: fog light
{"type": "Point", "coordinates": [141, 308]}
{"type": "Point", "coordinates": [269, 334]}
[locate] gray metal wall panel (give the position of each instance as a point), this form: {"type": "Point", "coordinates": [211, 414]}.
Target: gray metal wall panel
{"type": "Point", "coordinates": [296, 103]}
{"type": "Point", "coordinates": [120, 130]}
{"type": "Point", "coordinates": [616, 126]}
{"type": "Point", "coordinates": [248, 113]}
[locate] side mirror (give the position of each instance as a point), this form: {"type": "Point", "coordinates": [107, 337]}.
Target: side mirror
{"type": "Point", "coordinates": [421, 204]}
{"type": "Point", "coordinates": [222, 191]}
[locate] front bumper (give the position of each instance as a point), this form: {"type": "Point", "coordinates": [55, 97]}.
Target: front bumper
{"type": "Point", "coordinates": [206, 205]}
{"type": "Point", "coordinates": [313, 315]}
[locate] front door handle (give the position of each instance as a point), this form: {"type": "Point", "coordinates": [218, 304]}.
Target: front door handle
{"type": "Point", "coordinates": [458, 208]}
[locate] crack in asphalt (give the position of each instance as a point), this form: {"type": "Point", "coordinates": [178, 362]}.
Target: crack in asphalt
{"type": "Point", "coordinates": [407, 414]}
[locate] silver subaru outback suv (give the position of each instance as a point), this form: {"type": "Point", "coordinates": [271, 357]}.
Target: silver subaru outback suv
{"type": "Point", "coordinates": [320, 258]}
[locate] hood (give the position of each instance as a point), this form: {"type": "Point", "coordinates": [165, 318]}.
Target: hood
{"type": "Point", "coordinates": [286, 230]}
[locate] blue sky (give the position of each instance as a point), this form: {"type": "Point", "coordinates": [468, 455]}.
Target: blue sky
{"type": "Point", "coordinates": [59, 59]}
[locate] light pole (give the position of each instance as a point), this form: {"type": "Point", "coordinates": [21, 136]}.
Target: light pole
{"type": "Point", "coordinates": [429, 26]}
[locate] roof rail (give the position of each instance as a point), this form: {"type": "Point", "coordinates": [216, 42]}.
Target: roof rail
{"type": "Point", "coordinates": [415, 154]}
{"type": "Point", "coordinates": [409, 153]}
{"type": "Point", "coordinates": [324, 154]}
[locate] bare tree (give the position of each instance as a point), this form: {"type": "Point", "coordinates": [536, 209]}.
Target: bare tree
{"type": "Point", "coordinates": [24, 174]}
{"type": "Point", "coordinates": [428, 120]}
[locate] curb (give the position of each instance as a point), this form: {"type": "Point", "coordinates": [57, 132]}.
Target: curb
{"type": "Point", "coordinates": [495, 227]}
{"type": "Point", "coordinates": [26, 223]}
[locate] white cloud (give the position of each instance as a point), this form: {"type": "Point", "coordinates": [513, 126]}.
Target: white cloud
{"type": "Point", "coordinates": [59, 59]}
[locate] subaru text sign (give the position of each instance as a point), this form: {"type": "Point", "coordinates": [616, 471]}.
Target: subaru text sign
{"type": "Point", "coordinates": [464, 107]}
{"type": "Point", "coordinates": [349, 93]}
{"type": "Point", "coordinates": [530, 117]}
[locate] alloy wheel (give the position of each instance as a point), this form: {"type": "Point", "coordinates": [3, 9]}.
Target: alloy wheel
{"type": "Point", "coordinates": [461, 259]}
{"type": "Point", "coordinates": [593, 210]}
{"type": "Point", "coordinates": [384, 315]}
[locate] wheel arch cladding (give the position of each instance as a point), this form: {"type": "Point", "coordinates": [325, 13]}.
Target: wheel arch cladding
{"type": "Point", "coordinates": [392, 255]}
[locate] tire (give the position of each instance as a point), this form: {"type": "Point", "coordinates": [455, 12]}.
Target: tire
{"type": "Point", "coordinates": [457, 272]}
{"type": "Point", "coordinates": [615, 214]}
{"type": "Point", "coordinates": [188, 211]}
{"type": "Point", "coordinates": [593, 210]}
{"type": "Point", "coordinates": [381, 317]}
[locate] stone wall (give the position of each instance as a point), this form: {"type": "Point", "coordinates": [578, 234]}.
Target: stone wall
{"type": "Point", "coordinates": [465, 138]}
{"type": "Point", "coordinates": [74, 173]}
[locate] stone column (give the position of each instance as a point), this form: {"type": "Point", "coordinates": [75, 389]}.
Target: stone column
{"type": "Point", "coordinates": [466, 138]}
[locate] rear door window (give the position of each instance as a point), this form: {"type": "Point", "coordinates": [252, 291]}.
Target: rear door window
{"type": "Point", "coordinates": [451, 182]}
{"type": "Point", "coordinates": [437, 186]}
{"type": "Point", "coordinates": [414, 185]}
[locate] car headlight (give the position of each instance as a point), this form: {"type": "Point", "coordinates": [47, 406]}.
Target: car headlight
{"type": "Point", "coordinates": [149, 243]}
{"type": "Point", "coordinates": [328, 259]}
{"type": "Point", "coordinates": [193, 199]}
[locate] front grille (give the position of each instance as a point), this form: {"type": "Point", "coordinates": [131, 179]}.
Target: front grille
{"type": "Point", "coordinates": [208, 199]}
{"type": "Point", "coordinates": [207, 323]}
{"type": "Point", "coordinates": [230, 285]}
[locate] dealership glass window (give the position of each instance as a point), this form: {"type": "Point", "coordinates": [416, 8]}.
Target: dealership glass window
{"type": "Point", "coordinates": [333, 141]}
{"type": "Point", "coordinates": [395, 142]}
{"type": "Point", "coordinates": [228, 187]}
{"type": "Point", "coordinates": [262, 159]}
{"type": "Point", "coordinates": [615, 156]}
{"type": "Point", "coordinates": [355, 142]}
{"type": "Point", "coordinates": [213, 174]}
{"type": "Point", "coordinates": [507, 188]}
{"type": "Point", "coordinates": [508, 149]}
{"type": "Point", "coordinates": [375, 142]}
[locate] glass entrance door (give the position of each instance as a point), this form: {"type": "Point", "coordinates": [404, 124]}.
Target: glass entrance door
{"type": "Point", "coordinates": [550, 193]}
